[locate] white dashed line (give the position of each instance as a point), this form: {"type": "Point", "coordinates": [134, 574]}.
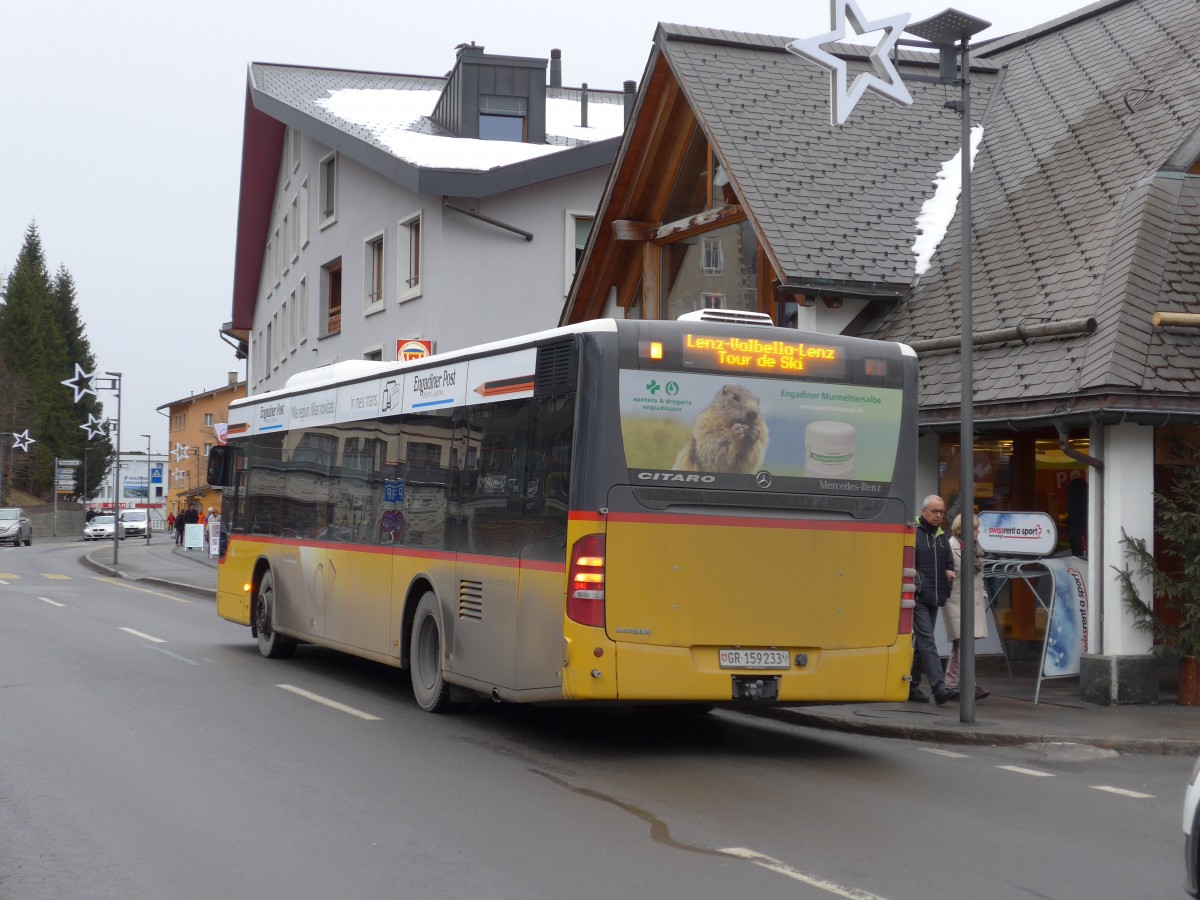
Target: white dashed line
{"type": "Point", "coordinates": [144, 636]}
{"type": "Point", "coordinates": [1020, 771]}
{"type": "Point", "coordinates": [51, 602]}
{"type": "Point", "coordinates": [782, 868]}
{"type": "Point", "coordinates": [1136, 795]}
{"type": "Point", "coordinates": [949, 754]}
{"type": "Point", "coordinates": [325, 701]}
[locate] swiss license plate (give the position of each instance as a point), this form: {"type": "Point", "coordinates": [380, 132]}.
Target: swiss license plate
{"type": "Point", "coordinates": [754, 659]}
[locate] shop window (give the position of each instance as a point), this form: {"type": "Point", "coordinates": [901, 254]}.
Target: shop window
{"type": "Point", "coordinates": [721, 263]}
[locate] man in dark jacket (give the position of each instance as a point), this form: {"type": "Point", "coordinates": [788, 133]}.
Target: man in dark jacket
{"type": "Point", "coordinates": [935, 571]}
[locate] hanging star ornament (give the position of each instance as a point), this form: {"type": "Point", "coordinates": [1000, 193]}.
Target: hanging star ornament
{"type": "Point", "coordinates": [179, 474]}
{"type": "Point", "coordinates": [22, 441]}
{"type": "Point", "coordinates": [181, 452]}
{"type": "Point", "coordinates": [81, 384]}
{"type": "Point", "coordinates": [95, 427]}
{"type": "Point", "coordinates": [885, 80]}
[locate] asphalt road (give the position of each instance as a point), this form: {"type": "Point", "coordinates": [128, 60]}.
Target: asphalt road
{"type": "Point", "coordinates": [148, 751]}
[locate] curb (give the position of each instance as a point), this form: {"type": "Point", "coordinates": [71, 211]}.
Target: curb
{"type": "Point", "coordinates": [944, 735]}
{"type": "Point", "coordinates": [197, 590]}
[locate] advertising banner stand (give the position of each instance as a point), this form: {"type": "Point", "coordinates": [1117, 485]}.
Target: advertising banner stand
{"type": "Point", "coordinates": [193, 537]}
{"type": "Point", "coordinates": [1023, 544]}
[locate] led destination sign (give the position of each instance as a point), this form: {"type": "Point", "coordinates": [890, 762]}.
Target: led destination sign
{"type": "Point", "coordinates": [743, 354]}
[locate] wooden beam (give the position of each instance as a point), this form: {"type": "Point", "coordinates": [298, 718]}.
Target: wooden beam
{"type": "Point", "coordinates": [702, 221]}
{"type": "Point", "coordinates": [630, 230]}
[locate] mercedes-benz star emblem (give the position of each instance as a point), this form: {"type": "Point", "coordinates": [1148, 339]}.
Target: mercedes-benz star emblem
{"type": "Point", "coordinates": [763, 479]}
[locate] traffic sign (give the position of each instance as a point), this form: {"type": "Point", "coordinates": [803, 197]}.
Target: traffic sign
{"type": "Point", "coordinates": [70, 463]}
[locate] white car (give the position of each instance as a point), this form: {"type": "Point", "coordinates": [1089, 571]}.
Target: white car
{"type": "Point", "coordinates": [101, 528]}
{"type": "Point", "coordinates": [1191, 832]}
{"type": "Point", "coordinates": [136, 522]}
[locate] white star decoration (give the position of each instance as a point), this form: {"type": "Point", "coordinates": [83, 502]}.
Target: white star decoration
{"type": "Point", "coordinates": [886, 80]}
{"type": "Point", "coordinates": [179, 474]}
{"type": "Point", "coordinates": [181, 452]}
{"type": "Point", "coordinates": [94, 427]}
{"type": "Point", "coordinates": [22, 441]}
{"type": "Point", "coordinates": [81, 384]}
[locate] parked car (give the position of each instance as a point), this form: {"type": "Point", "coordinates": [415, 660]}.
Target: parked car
{"type": "Point", "coordinates": [136, 522]}
{"type": "Point", "coordinates": [1191, 832]}
{"type": "Point", "coordinates": [15, 526]}
{"type": "Point", "coordinates": [101, 527]}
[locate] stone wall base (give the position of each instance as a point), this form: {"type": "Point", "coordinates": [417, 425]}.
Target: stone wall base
{"type": "Point", "coordinates": [1117, 680]}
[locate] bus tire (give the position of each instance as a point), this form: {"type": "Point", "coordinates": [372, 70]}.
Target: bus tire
{"type": "Point", "coordinates": [271, 644]}
{"type": "Point", "coordinates": [425, 657]}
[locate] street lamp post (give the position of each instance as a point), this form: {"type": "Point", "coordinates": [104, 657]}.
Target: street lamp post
{"type": "Point", "coordinates": [946, 31]}
{"type": "Point", "coordinates": [147, 437]}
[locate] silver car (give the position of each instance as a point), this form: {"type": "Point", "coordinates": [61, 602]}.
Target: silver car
{"type": "Point", "coordinates": [1191, 833]}
{"type": "Point", "coordinates": [101, 528]}
{"type": "Point", "coordinates": [15, 526]}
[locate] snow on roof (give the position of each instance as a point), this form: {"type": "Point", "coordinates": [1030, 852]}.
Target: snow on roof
{"type": "Point", "coordinates": [938, 210]}
{"type": "Point", "coordinates": [394, 116]}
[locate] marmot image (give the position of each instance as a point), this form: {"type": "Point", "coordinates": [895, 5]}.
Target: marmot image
{"type": "Point", "coordinates": [728, 436]}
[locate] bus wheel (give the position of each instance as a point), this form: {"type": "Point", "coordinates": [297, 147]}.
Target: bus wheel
{"type": "Point", "coordinates": [270, 644]}
{"type": "Point", "coordinates": [425, 657]}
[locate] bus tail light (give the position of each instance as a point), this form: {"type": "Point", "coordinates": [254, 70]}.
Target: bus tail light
{"type": "Point", "coordinates": [908, 590]}
{"type": "Point", "coordinates": [585, 582]}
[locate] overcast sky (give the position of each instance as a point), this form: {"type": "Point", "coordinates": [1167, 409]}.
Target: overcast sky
{"type": "Point", "coordinates": [121, 134]}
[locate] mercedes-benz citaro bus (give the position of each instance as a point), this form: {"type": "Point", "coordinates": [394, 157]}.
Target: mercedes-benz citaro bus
{"type": "Point", "coordinates": [703, 511]}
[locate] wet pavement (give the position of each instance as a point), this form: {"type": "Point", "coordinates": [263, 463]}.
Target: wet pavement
{"type": "Point", "coordinates": [1009, 716]}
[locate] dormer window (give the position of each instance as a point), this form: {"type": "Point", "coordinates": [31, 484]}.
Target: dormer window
{"type": "Point", "coordinates": [502, 118]}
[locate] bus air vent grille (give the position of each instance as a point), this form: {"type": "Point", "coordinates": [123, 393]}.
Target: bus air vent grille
{"type": "Point", "coordinates": [555, 368]}
{"type": "Point", "coordinates": [470, 600]}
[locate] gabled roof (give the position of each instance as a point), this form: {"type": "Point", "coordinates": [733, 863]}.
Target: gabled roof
{"type": "Point", "coordinates": [382, 121]}
{"type": "Point", "coordinates": [834, 206]}
{"type": "Point", "coordinates": [1082, 208]}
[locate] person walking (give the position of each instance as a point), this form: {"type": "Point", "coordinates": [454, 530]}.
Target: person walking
{"type": "Point", "coordinates": [954, 606]}
{"type": "Point", "coordinates": [935, 573]}
{"type": "Point", "coordinates": [180, 521]}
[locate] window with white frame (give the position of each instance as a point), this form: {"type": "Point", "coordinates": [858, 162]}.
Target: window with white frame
{"type": "Point", "coordinates": [373, 269]}
{"type": "Point", "coordinates": [375, 355]}
{"type": "Point", "coordinates": [713, 261]}
{"type": "Point", "coordinates": [286, 262]}
{"type": "Point", "coordinates": [285, 332]}
{"type": "Point", "coordinates": [273, 339]}
{"type": "Point", "coordinates": [331, 298]}
{"type": "Point", "coordinates": [328, 198]}
{"type": "Point", "coordinates": [294, 230]}
{"type": "Point", "coordinates": [294, 148]}
{"type": "Point", "coordinates": [294, 335]}
{"type": "Point", "coordinates": [304, 214]}
{"type": "Point", "coordinates": [713, 300]}
{"type": "Point", "coordinates": [302, 311]}
{"type": "Point", "coordinates": [208, 420]}
{"type": "Point", "coordinates": [410, 257]}
{"type": "Point", "coordinates": [579, 226]}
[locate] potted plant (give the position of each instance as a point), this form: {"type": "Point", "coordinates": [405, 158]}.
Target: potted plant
{"type": "Point", "coordinates": [1174, 621]}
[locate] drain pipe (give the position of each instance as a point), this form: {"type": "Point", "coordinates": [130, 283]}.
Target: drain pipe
{"type": "Point", "coordinates": [482, 218]}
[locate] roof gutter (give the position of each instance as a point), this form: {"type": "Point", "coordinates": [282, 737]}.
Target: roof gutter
{"type": "Point", "coordinates": [1022, 333]}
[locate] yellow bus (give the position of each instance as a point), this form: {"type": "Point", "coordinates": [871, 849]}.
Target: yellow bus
{"type": "Point", "coordinates": [707, 511]}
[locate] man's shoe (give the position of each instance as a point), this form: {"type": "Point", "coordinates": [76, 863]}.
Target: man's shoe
{"type": "Point", "coordinates": [915, 696]}
{"type": "Point", "coordinates": [980, 693]}
{"type": "Point", "coordinates": [945, 697]}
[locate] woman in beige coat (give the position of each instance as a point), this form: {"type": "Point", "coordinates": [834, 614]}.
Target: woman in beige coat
{"type": "Point", "coordinates": [953, 610]}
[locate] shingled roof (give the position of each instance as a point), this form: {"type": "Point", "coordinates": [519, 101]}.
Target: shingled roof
{"type": "Point", "coordinates": [1082, 209]}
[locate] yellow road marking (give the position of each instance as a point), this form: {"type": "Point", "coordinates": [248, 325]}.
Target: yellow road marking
{"type": "Point", "coordinates": [55, 577]}
{"type": "Point", "coordinates": [119, 582]}
{"type": "Point", "coordinates": [12, 575]}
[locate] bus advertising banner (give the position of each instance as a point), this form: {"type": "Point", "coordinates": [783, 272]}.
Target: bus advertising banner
{"type": "Point", "coordinates": [773, 433]}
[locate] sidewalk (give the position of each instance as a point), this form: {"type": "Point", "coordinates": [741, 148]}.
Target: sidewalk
{"type": "Point", "coordinates": [1009, 716]}
{"type": "Point", "coordinates": [157, 562]}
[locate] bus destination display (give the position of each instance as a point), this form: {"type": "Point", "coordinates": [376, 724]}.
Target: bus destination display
{"type": "Point", "coordinates": [746, 354]}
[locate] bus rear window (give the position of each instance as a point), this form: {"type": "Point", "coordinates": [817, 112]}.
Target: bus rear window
{"type": "Point", "coordinates": [718, 431]}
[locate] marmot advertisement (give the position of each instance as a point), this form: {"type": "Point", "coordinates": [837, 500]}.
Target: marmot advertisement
{"type": "Point", "coordinates": [739, 432]}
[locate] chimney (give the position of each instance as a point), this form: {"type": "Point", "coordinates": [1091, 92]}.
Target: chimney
{"type": "Point", "coordinates": [630, 97]}
{"type": "Point", "coordinates": [583, 106]}
{"type": "Point", "coordinates": [556, 68]}
{"type": "Point", "coordinates": [233, 377]}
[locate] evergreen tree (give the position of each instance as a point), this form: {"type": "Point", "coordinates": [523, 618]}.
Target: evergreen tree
{"type": "Point", "coordinates": [39, 331]}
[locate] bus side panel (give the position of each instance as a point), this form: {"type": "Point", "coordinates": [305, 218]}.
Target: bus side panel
{"type": "Point", "coordinates": [359, 589]}
{"type": "Point", "coordinates": [540, 626]}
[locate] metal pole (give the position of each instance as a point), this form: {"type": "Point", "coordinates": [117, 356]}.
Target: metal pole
{"type": "Point", "coordinates": [117, 473]}
{"type": "Point", "coordinates": [147, 437]}
{"type": "Point", "coordinates": [3, 435]}
{"type": "Point", "coordinates": [966, 575]}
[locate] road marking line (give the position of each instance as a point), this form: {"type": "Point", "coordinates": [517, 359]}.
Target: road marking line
{"type": "Point", "coordinates": [144, 636]}
{"type": "Point", "coordinates": [134, 587]}
{"type": "Point", "coordinates": [949, 754]}
{"type": "Point", "coordinates": [51, 602]}
{"type": "Point", "coordinates": [12, 575]}
{"type": "Point", "coordinates": [1020, 771]}
{"type": "Point", "coordinates": [190, 662]}
{"type": "Point", "coordinates": [332, 704]}
{"type": "Point", "coordinates": [782, 868]}
{"type": "Point", "coordinates": [1136, 795]}
{"type": "Point", "coordinates": [53, 577]}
